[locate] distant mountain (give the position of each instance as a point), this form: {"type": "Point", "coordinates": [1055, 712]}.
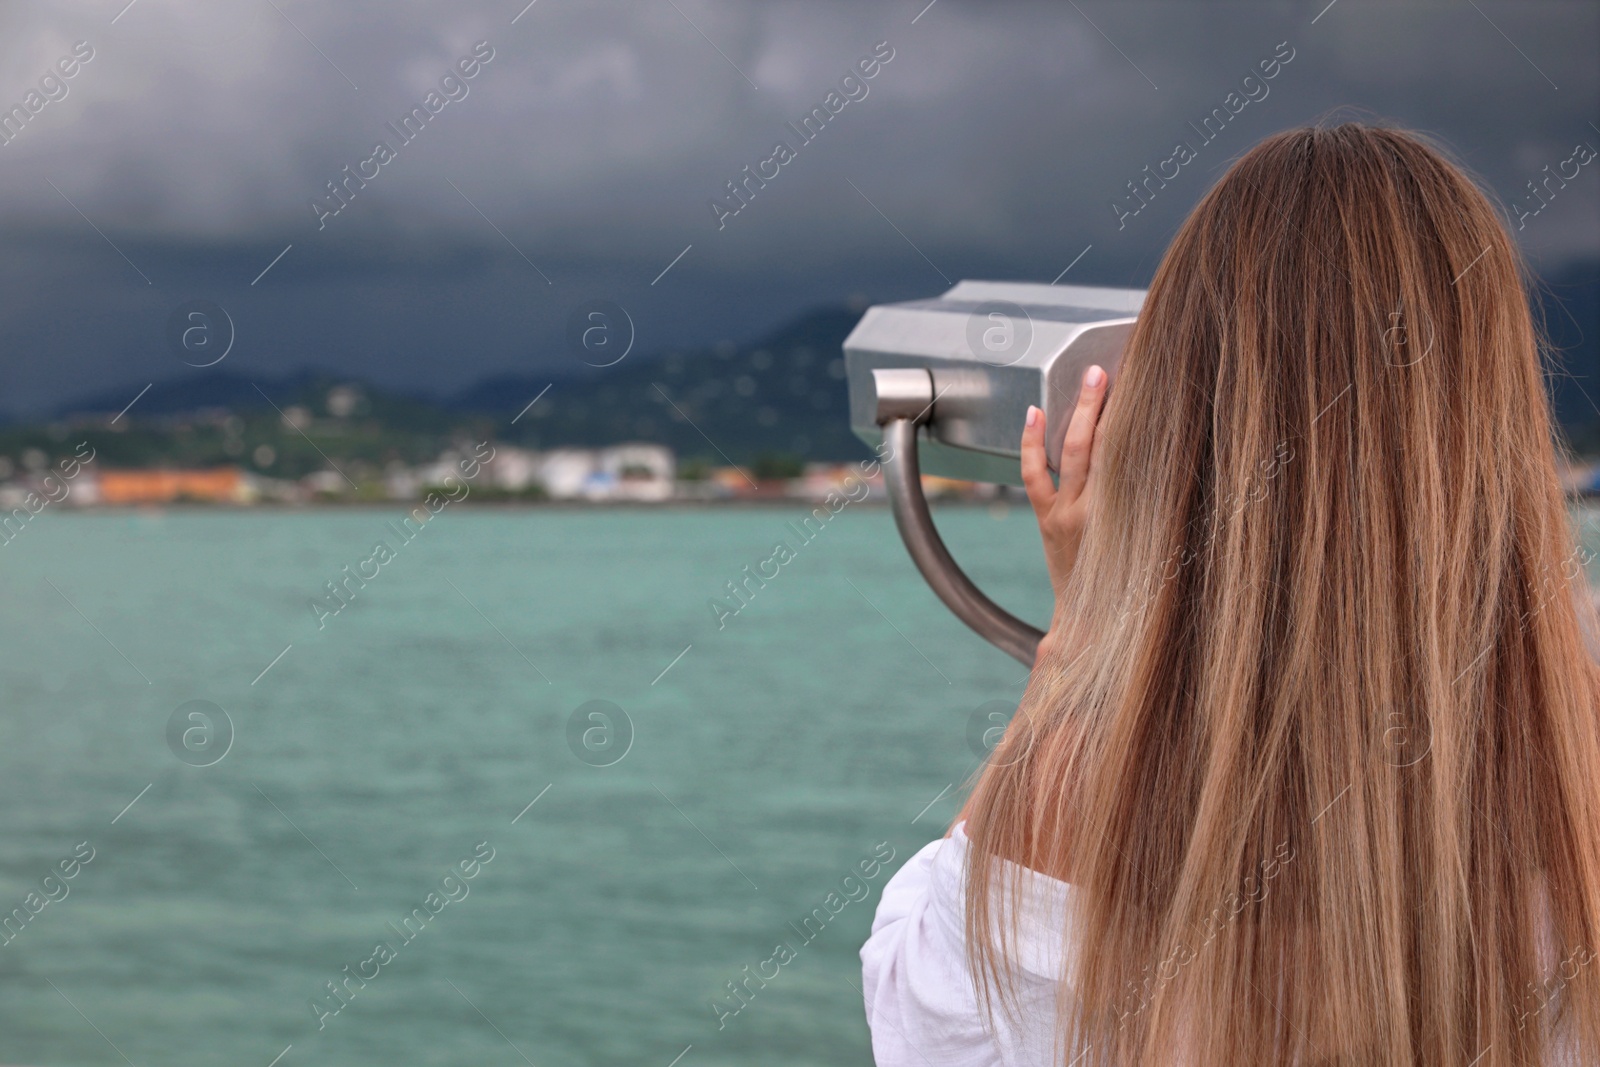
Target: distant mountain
{"type": "Point", "coordinates": [223, 389]}
{"type": "Point", "coordinates": [782, 395]}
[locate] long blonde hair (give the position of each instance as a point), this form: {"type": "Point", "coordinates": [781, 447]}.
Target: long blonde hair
{"type": "Point", "coordinates": [1318, 741]}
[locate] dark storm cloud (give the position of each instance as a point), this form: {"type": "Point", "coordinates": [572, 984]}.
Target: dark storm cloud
{"type": "Point", "coordinates": [589, 150]}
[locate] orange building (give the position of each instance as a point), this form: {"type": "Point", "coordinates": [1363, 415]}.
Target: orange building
{"type": "Point", "coordinates": [222, 485]}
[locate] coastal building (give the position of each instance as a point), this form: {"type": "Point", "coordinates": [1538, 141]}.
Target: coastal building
{"type": "Point", "coordinates": [637, 472]}
{"type": "Point", "coordinates": [221, 485]}
{"type": "Point", "coordinates": [566, 471]}
{"type": "Point", "coordinates": [732, 481]}
{"type": "Point", "coordinates": [621, 472]}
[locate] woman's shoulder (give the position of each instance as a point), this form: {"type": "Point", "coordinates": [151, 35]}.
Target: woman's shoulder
{"type": "Point", "coordinates": [1043, 922]}
{"type": "Point", "coordinates": [919, 992]}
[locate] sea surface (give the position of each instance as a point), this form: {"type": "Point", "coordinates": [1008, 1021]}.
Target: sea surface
{"type": "Point", "coordinates": [248, 849]}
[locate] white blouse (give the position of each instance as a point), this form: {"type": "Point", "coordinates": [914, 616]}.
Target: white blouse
{"type": "Point", "coordinates": [921, 1001]}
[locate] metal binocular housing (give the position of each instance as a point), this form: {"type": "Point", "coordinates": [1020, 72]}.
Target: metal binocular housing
{"type": "Point", "coordinates": [947, 382]}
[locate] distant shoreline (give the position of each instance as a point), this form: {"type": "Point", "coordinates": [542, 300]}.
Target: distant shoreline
{"type": "Point", "coordinates": [1591, 498]}
{"type": "Point", "coordinates": [771, 503]}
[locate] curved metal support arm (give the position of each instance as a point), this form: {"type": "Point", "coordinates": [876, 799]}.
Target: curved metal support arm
{"type": "Point", "coordinates": [902, 475]}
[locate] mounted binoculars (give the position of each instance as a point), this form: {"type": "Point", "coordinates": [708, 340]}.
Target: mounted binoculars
{"type": "Point", "coordinates": [947, 382]}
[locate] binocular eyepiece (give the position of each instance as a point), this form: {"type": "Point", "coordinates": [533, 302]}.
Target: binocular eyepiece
{"type": "Point", "coordinates": [966, 365]}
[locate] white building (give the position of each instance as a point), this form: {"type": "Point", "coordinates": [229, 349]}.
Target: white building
{"type": "Point", "coordinates": [639, 471]}
{"type": "Point", "coordinates": [566, 471]}
{"type": "Point", "coordinates": [634, 471]}
{"type": "Point", "coordinates": [622, 472]}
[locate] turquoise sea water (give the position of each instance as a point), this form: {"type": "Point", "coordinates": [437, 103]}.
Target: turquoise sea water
{"type": "Point", "coordinates": [765, 765]}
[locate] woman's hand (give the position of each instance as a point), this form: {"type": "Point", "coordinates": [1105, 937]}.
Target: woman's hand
{"type": "Point", "coordinates": [1063, 511]}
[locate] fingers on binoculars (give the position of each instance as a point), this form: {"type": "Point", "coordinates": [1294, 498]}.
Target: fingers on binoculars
{"type": "Point", "coordinates": [1035, 471]}
{"type": "Point", "coordinates": [1077, 447]}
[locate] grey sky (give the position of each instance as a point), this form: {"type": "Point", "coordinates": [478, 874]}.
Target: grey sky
{"type": "Point", "coordinates": [588, 149]}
